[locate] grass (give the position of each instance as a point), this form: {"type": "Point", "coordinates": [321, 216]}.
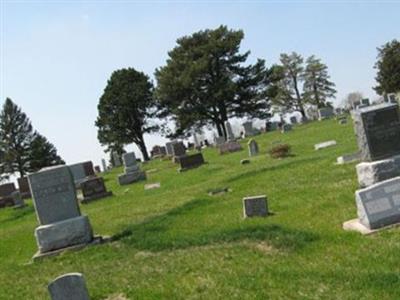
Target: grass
{"type": "Point", "coordinates": [177, 242]}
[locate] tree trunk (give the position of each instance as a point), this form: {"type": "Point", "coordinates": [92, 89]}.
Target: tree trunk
{"type": "Point", "coordinates": [142, 147]}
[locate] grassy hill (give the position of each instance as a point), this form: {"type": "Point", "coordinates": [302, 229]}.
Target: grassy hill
{"type": "Point", "coordinates": [177, 242]}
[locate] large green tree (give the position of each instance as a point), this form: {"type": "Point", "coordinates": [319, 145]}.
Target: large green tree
{"type": "Point", "coordinates": [317, 87]}
{"type": "Point", "coordinates": [16, 135]}
{"type": "Point", "coordinates": [205, 81]}
{"type": "Point", "coordinates": [126, 110]}
{"type": "Point", "coordinates": [43, 154]}
{"type": "Point", "coordinates": [388, 66]}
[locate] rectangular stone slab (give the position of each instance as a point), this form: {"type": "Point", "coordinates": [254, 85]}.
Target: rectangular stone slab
{"type": "Point", "coordinates": [255, 206]}
{"type": "Point", "coordinates": [54, 195]}
{"type": "Point", "coordinates": [378, 131]}
{"type": "Point", "coordinates": [191, 161]}
{"type": "Point", "coordinates": [324, 145]}
{"type": "Point", "coordinates": [369, 173]}
{"type": "Point", "coordinates": [230, 146]}
{"type": "Point", "coordinates": [379, 205]}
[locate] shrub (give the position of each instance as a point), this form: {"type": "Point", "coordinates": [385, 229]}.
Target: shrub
{"type": "Point", "coordinates": [280, 151]}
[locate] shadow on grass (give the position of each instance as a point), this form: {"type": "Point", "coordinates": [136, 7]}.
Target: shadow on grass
{"type": "Point", "coordinates": [279, 166]}
{"type": "Point", "coordinates": [164, 232]}
{"type": "Point", "coordinates": [19, 213]}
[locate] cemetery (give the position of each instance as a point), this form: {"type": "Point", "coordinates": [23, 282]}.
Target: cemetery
{"type": "Point", "coordinates": [199, 150]}
{"type": "Point", "coordinates": [192, 221]}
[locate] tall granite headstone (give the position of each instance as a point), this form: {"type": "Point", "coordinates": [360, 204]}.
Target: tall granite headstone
{"type": "Point", "coordinates": [253, 147]}
{"type": "Point", "coordinates": [23, 186]}
{"type": "Point", "coordinates": [132, 170]}
{"type": "Point", "coordinates": [60, 221]}
{"type": "Point", "coordinates": [191, 161]}
{"type": "Point", "coordinates": [103, 164]}
{"type": "Point", "coordinates": [229, 132]}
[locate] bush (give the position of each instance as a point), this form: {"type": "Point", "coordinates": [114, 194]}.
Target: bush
{"type": "Point", "coordinates": [280, 151]}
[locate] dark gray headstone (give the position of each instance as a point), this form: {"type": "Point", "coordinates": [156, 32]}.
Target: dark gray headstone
{"type": "Point", "coordinates": [94, 188]}
{"type": "Point", "coordinates": [70, 286]}
{"type": "Point", "coordinates": [54, 194]}
{"type": "Point", "coordinates": [230, 146]}
{"type": "Point", "coordinates": [378, 131]}
{"type": "Point", "coordinates": [178, 149]}
{"type": "Point", "coordinates": [379, 205]}
{"type": "Point", "coordinates": [191, 161]}
{"type": "Point", "coordinates": [325, 113]}
{"type": "Point", "coordinates": [255, 206]}
{"type": "Point", "coordinates": [229, 132]}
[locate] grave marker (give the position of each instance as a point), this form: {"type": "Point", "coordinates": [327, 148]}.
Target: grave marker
{"type": "Point", "coordinates": [253, 147]}
{"type": "Point", "coordinates": [255, 206]}
{"type": "Point", "coordinates": [70, 286]}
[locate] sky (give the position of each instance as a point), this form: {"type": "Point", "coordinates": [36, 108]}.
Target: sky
{"type": "Point", "coordinates": [56, 56]}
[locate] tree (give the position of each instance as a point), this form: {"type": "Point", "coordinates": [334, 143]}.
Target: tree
{"type": "Point", "coordinates": [352, 100]}
{"type": "Point", "coordinates": [317, 86]}
{"type": "Point", "coordinates": [204, 82]}
{"type": "Point", "coordinates": [126, 109]}
{"type": "Point", "coordinates": [43, 154]}
{"type": "Point", "coordinates": [388, 66]}
{"type": "Point", "coordinates": [16, 134]}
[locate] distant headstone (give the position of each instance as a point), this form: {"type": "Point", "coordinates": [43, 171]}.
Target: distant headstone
{"type": "Point", "coordinates": [219, 140]}
{"type": "Point", "coordinates": [152, 186]}
{"type": "Point", "coordinates": [93, 189]}
{"type": "Point", "coordinates": [324, 145]}
{"type": "Point", "coordinates": [293, 120]}
{"type": "Point", "coordinates": [229, 132]}
{"type": "Point", "coordinates": [116, 160]}
{"type": "Point", "coordinates": [253, 147]}
{"type": "Point", "coordinates": [378, 131]}
{"type": "Point", "coordinates": [6, 191]}
{"type": "Point", "coordinates": [178, 151]}
{"type": "Point", "coordinates": [24, 189]}
{"type": "Point", "coordinates": [196, 140]}
{"type": "Point", "coordinates": [81, 171]}
{"type": "Point", "coordinates": [255, 206]}
{"type": "Point", "coordinates": [325, 113]}
{"type": "Point", "coordinates": [57, 210]}
{"type": "Point", "coordinates": [158, 151]}
{"type": "Point", "coordinates": [249, 130]}
{"type": "Point", "coordinates": [104, 165]}
{"type": "Point", "coordinates": [191, 161]}
{"type": "Point", "coordinates": [286, 128]}
{"type": "Point", "coordinates": [348, 158]}
{"type": "Point", "coordinates": [168, 147]}
{"type": "Point", "coordinates": [70, 286]}
{"type": "Point", "coordinates": [18, 201]}
{"type": "Point", "coordinates": [230, 146]}
{"type": "Point", "coordinates": [132, 170]}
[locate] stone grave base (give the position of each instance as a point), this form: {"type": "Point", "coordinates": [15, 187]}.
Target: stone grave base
{"type": "Point", "coordinates": [97, 240]}
{"type": "Point", "coordinates": [369, 173]}
{"type": "Point", "coordinates": [86, 200]}
{"type": "Point", "coordinates": [129, 178]}
{"type": "Point", "coordinates": [355, 225]}
{"type": "Point", "coordinates": [63, 234]}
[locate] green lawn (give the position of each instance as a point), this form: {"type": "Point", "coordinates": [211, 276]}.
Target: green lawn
{"type": "Point", "coordinates": [177, 242]}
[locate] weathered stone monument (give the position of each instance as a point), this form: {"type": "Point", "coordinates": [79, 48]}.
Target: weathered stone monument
{"type": "Point", "coordinates": [6, 191]}
{"type": "Point", "coordinates": [158, 152]}
{"type": "Point", "coordinates": [229, 132]}
{"type": "Point", "coordinates": [168, 148]}
{"type": "Point", "coordinates": [93, 189]}
{"type": "Point", "coordinates": [191, 161]}
{"type": "Point", "coordinates": [81, 171]}
{"type": "Point", "coordinates": [103, 164]}
{"type": "Point", "coordinates": [253, 147]}
{"type": "Point", "coordinates": [249, 130]}
{"type": "Point", "coordinates": [18, 201]}
{"type": "Point", "coordinates": [325, 145]}
{"type": "Point", "coordinates": [116, 160]}
{"type": "Point", "coordinates": [230, 146]}
{"type": "Point", "coordinates": [378, 135]}
{"type": "Point", "coordinates": [286, 128]}
{"type": "Point", "coordinates": [325, 113]}
{"type": "Point", "coordinates": [24, 189]}
{"type": "Point", "coordinates": [70, 286]}
{"type": "Point", "coordinates": [132, 170]}
{"type": "Point", "coordinates": [61, 224]}
{"type": "Point", "coordinates": [255, 206]}
{"type": "Point", "coordinates": [178, 151]}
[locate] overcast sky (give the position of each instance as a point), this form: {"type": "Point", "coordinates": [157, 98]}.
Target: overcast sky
{"type": "Point", "coordinates": [56, 56]}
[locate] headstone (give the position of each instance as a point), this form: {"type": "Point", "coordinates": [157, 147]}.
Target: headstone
{"type": "Point", "coordinates": [219, 140]}
{"type": "Point", "coordinates": [70, 286]}
{"type": "Point", "coordinates": [132, 170]}
{"type": "Point", "coordinates": [178, 151]}
{"type": "Point", "coordinates": [392, 98]}
{"type": "Point", "coordinates": [324, 145]}
{"type": "Point", "coordinates": [93, 189]}
{"type": "Point", "coordinates": [6, 191]}
{"type": "Point", "coordinates": [325, 113]}
{"type": "Point", "coordinates": [81, 171]}
{"type": "Point", "coordinates": [286, 128]}
{"type": "Point", "coordinates": [293, 120]}
{"type": "Point", "coordinates": [196, 140]}
{"type": "Point", "coordinates": [230, 146]}
{"type": "Point", "coordinates": [365, 102]}
{"type": "Point", "coordinates": [168, 147]}
{"type": "Point", "coordinates": [378, 131]}
{"type": "Point", "coordinates": [158, 151]}
{"type": "Point", "coordinates": [24, 189]}
{"type": "Point", "coordinates": [60, 221]}
{"type": "Point", "coordinates": [191, 161]}
{"type": "Point", "coordinates": [229, 132]}
{"type": "Point", "coordinates": [255, 206]}
{"type": "Point", "coordinates": [249, 130]}
{"type": "Point", "coordinates": [116, 160]}
{"type": "Point", "coordinates": [253, 147]}
{"type": "Point", "coordinates": [152, 186]}
{"type": "Point", "coordinates": [97, 169]}
{"type": "Point", "coordinates": [348, 158]}
{"type": "Point", "coordinates": [379, 204]}
{"type": "Point", "coordinates": [104, 165]}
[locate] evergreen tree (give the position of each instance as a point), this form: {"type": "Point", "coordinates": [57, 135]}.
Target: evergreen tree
{"type": "Point", "coordinates": [317, 86]}
{"type": "Point", "coordinates": [126, 110]}
{"type": "Point", "coordinates": [16, 135]}
{"type": "Point", "coordinates": [43, 154]}
{"type": "Point", "coordinates": [205, 82]}
{"type": "Point", "coordinates": [388, 66]}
